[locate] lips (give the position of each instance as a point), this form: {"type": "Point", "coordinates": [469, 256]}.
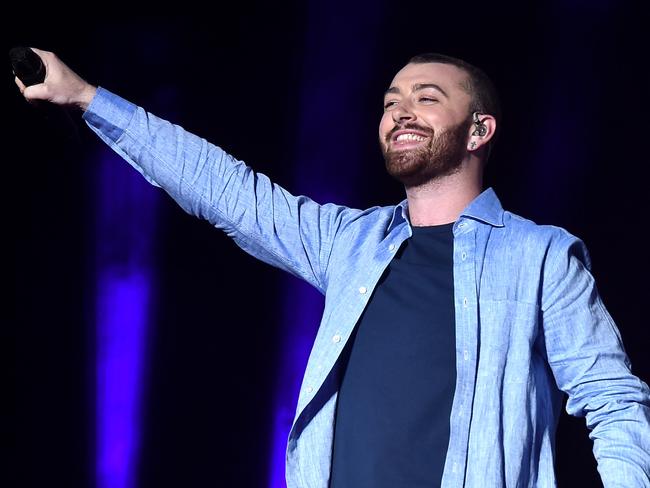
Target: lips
{"type": "Point", "coordinates": [408, 138]}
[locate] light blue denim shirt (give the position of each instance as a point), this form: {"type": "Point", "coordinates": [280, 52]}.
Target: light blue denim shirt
{"type": "Point", "coordinates": [529, 322]}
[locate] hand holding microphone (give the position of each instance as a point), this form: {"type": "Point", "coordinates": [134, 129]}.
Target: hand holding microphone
{"type": "Point", "coordinates": [41, 75]}
{"type": "Point", "coordinates": [50, 86]}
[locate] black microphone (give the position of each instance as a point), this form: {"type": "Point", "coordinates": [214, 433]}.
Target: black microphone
{"type": "Point", "coordinates": [27, 65]}
{"type": "Point", "coordinates": [29, 68]}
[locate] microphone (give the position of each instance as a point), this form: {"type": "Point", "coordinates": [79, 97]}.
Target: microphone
{"type": "Point", "coordinates": [29, 68]}
{"type": "Point", "coordinates": [27, 65]}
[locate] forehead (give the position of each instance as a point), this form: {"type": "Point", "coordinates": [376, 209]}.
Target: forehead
{"type": "Point", "coordinates": [446, 76]}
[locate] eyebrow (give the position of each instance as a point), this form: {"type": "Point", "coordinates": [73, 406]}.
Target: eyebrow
{"type": "Point", "coordinates": [418, 87]}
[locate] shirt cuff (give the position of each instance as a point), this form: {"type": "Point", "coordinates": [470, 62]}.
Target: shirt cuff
{"type": "Point", "coordinates": [109, 114]}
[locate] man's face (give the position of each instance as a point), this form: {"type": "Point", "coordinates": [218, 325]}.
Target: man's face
{"type": "Point", "coordinates": [426, 123]}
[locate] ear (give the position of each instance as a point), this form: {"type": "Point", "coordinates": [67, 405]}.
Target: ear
{"type": "Point", "coordinates": [480, 138]}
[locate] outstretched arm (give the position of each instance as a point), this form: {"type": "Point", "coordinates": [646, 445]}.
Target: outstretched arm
{"type": "Point", "coordinates": [291, 232]}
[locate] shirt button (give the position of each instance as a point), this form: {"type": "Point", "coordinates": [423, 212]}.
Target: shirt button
{"type": "Point", "coordinates": [465, 302]}
{"type": "Point", "coordinates": [336, 339]}
{"type": "Point", "coordinates": [391, 247]}
{"type": "Point", "coordinates": [464, 256]}
{"type": "Point", "coordinates": [362, 289]}
{"type": "Point", "coordinates": [309, 389]}
{"type": "Point", "coordinates": [466, 355]}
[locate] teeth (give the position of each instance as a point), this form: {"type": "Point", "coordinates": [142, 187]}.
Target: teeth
{"type": "Point", "coordinates": [410, 137]}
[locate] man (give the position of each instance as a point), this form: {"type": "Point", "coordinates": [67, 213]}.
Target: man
{"type": "Point", "coordinates": [449, 323]}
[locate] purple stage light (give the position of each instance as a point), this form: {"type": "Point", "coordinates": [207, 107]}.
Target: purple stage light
{"type": "Point", "coordinates": [334, 70]}
{"type": "Point", "coordinates": [125, 212]}
{"type": "Point", "coordinates": [122, 316]}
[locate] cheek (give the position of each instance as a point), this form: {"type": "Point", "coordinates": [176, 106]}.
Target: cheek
{"type": "Point", "coordinates": [385, 126]}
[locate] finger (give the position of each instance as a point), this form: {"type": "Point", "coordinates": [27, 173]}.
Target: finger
{"type": "Point", "coordinates": [40, 52]}
{"type": "Point", "coordinates": [21, 85]}
{"type": "Point", "coordinates": [44, 55]}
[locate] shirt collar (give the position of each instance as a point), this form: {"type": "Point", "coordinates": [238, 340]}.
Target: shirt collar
{"type": "Point", "coordinates": [486, 208]}
{"type": "Point", "coordinates": [400, 213]}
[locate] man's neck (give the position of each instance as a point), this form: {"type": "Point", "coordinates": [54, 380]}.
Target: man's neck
{"type": "Point", "coordinates": [441, 201]}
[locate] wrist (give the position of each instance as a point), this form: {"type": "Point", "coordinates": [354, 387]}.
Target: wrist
{"type": "Point", "coordinates": [86, 96]}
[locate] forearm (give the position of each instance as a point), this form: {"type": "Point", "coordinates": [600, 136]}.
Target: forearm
{"type": "Point", "coordinates": [616, 405]}
{"type": "Point", "coordinates": [622, 443]}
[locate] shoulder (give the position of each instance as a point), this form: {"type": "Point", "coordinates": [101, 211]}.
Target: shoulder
{"type": "Point", "coordinates": [556, 242]}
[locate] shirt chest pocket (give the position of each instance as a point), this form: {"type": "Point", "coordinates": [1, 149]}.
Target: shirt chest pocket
{"type": "Point", "coordinates": [507, 334]}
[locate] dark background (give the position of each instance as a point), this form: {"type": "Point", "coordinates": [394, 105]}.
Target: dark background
{"type": "Point", "coordinates": [295, 90]}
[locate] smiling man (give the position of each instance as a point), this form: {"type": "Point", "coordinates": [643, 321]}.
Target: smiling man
{"type": "Point", "coordinates": [423, 133]}
{"type": "Point", "coordinates": [451, 327]}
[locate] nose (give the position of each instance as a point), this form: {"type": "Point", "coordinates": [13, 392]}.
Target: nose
{"type": "Point", "coordinates": [403, 113]}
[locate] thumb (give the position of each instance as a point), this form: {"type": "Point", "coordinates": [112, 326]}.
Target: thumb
{"type": "Point", "coordinates": [36, 92]}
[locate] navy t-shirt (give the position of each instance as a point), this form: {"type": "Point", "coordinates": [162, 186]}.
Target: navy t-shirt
{"type": "Point", "coordinates": [394, 404]}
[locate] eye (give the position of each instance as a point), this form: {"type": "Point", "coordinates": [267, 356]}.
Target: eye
{"type": "Point", "coordinates": [389, 104]}
{"type": "Point", "coordinates": [428, 99]}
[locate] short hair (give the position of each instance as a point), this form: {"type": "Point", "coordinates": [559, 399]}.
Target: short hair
{"type": "Point", "coordinates": [478, 85]}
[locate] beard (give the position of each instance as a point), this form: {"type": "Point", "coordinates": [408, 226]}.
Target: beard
{"type": "Point", "coordinates": [442, 156]}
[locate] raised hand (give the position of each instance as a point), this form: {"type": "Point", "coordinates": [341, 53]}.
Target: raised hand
{"type": "Point", "coordinates": [61, 86]}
